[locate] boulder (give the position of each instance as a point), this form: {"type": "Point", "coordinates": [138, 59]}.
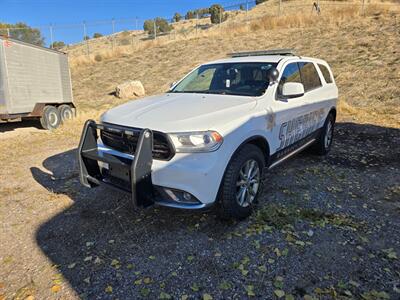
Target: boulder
{"type": "Point", "coordinates": [130, 89]}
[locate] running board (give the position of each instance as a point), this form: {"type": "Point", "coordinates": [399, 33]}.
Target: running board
{"type": "Point", "coordinates": [291, 154]}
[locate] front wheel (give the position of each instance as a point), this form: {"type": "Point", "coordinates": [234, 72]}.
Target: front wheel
{"type": "Point", "coordinates": [324, 142]}
{"type": "Point", "coordinates": [241, 183]}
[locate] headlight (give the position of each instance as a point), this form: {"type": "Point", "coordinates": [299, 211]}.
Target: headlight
{"type": "Point", "coordinates": [205, 141]}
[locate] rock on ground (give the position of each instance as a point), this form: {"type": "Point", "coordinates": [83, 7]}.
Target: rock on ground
{"type": "Point", "coordinates": [130, 89]}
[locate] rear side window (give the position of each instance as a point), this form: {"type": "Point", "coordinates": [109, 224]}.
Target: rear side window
{"type": "Point", "coordinates": [290, 74]}
{"type": "Point", "coordinates": [325, 73]}
{"type": "Point", "coordinates": [309, 76]}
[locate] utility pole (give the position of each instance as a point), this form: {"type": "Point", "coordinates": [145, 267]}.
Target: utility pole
{"type": "Point", "coordinates": [136, 23]}
{"type": "Point", "coordinates": [8, 32]}
{"type": "Point", "coordinates": [51, 36]}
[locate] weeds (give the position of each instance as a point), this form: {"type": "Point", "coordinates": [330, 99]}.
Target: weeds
{"type": "Point", "coordinates": [279, 217]}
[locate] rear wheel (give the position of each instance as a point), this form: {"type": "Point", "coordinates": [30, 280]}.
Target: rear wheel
{"type": "Point", "coordinates": [324, 142]}
{"type": "Point", "coordinates": [51, 118]}
{"type": "Point", "coordinates": [66, 112]}
{"type": "Point", "coordinates": [241, 183]}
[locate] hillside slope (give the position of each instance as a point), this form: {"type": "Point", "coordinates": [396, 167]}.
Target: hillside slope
{"type": "Point", "coordinates": [363, 52]}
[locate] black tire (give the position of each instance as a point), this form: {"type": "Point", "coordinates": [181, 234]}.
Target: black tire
{"type": "Point", "coordinates": [66, 112]}
{"type": "Point", "coordinates": [323, 143]}
{"type": "Point", "coordinates": [229, 206]}
{"type": "Point", "coordinates": [51, 118]}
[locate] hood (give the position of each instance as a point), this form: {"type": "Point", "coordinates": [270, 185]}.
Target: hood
{"type": "Point", "coordinates": [180, 112]}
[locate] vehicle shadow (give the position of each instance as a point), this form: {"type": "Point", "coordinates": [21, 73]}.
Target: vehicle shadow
{"type": "Point", "coordinates": [100, 242]}
{"type": "Point", "coordinates": [16, 125]}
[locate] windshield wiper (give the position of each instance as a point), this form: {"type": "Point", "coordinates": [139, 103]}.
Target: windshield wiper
{"type": "Point", "coordinates": [191, 92]}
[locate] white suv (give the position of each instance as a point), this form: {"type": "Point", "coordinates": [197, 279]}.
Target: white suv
{"type": "Point", "coordinates": [210, 138]}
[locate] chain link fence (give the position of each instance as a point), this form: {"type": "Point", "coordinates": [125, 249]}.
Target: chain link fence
{"type": "Point", "coordinates": [128, 34]}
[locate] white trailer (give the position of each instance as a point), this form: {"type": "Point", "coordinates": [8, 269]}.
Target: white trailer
{"type": "Point", "coordinates": [35, 82]}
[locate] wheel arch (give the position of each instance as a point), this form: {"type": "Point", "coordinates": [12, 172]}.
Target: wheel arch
{"type": "Point", "coordinates": [259, 141]}
{"type": "Point", "coordinates": [333, 111]}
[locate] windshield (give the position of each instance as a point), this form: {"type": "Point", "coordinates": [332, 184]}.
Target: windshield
{"type": "Point", "coordinates": [244, 79]}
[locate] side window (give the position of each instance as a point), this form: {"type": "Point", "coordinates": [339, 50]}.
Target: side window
{"type": "Point", "coordinates": [309, 76]}
{"type": "Point", "coordinates": [325, 73]}
{"type": "Point", "coordinates": [290, 74]}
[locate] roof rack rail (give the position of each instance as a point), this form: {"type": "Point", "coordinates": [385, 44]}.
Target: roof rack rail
{"type": "Point", "coordinates": [263, 52]}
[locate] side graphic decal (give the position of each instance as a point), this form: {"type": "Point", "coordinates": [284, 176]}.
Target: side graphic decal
{"type": "Point", "coordinates": [298, 128]}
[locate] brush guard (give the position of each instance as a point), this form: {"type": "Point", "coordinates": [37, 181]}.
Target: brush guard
{"type": "Point", "coordinates": [130, 175]}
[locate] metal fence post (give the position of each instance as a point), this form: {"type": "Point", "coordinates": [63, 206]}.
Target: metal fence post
{"type": "Point", "coordinates": [280, 7]}
{"type": "Point", "coordinates": [51, 36]}
{"type": "Point", "coordinates": [86, 38]}
{"type": "Point", "coordinates": [197, 22]}
{"type": "Point", "coordinates": [247, 10]}
{"type": "Point", "coordinates": [363, 8]}
{"type": "Point", "coordinates": [113, 32]}
{"type": "Point", "coordinates": [155, 28]}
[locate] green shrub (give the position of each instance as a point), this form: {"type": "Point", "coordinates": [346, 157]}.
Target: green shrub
{"type": "Point", "coordinates": [58, 45]}
{"type": "Point", "coordinates": [97, 35]}
{"type": "Point", "coordinates": [98, 57]}
{"type": "Point", "coordinates": [177, 17]}
{"type": "Point", "coordinates": [125, 42]}
{"type": "Point", "coordinates": [162, 26]}
{"type": "Point", "coordinates": [22, 32]}
{"type": "Point", "coordinates": [190, 15]}
{"type": "Point", "coordinates": [217, 14]}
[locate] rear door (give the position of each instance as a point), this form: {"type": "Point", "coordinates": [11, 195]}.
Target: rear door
{"type": "Point", "coordinates": [314, 94]}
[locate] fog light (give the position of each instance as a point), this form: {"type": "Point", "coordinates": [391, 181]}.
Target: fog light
{"type": "Point", "coordinates": [171, 194]}
{"type": "Point", "coordinates": [176, 195]}
{"type": "Point", "coordinates": [187, 196]}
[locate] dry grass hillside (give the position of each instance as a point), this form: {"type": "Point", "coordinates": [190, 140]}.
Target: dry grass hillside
{"type": "Point", "coordinates": [363, 51]}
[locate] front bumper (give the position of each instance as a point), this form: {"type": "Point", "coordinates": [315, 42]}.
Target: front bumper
{"type": "Point", "coordinates": [148, 181]}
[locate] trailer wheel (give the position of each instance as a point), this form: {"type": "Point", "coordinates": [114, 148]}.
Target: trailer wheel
{"type": "Point", "coordinates": [66, 112]}
{"type": "Point", "coordinates": [51, 118]}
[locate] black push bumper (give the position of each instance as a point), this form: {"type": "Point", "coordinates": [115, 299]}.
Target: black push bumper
{"type": "Point", "coordinates": [131, 175]}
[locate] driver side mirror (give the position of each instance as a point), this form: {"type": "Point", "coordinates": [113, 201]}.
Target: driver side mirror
{"type": "Point", "coordinates": [292, 90]}
{"type": "Point", "coordinates": [172, 84]}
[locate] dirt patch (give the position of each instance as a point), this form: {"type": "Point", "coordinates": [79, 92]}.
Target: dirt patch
{"type": "Point", "coordinates": [324, 227]}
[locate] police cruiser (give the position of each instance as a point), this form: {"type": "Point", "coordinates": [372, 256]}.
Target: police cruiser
{"type": "Point", "coordinates": [213, 135]}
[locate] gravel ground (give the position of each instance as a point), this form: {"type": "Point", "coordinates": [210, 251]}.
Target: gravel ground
{"type": "Point", "coordinates": [324, 228]}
